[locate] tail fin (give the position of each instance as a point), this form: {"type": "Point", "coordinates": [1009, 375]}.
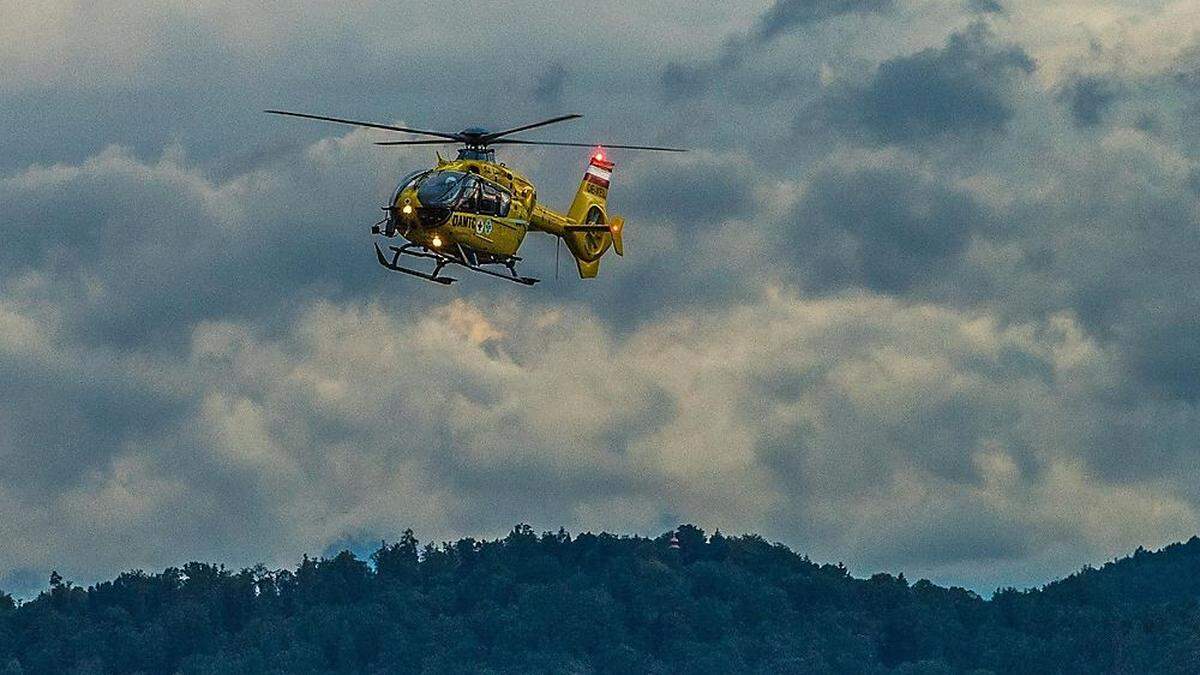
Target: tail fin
{"type": "Point", "coordinates": [593, 189]}
{"type": "Point", "coordinates": [590, 232]}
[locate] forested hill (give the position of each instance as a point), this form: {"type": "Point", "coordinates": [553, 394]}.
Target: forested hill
{"type": "Point", "coordinates": [604, 604]}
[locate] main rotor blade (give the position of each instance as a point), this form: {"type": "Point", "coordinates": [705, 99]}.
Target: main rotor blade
{"type": "Point", "coordinates": [592, 145]}
{"type": "Point", "coordinates": [387, 127]}
{"type": "Point", "coordinates": [553, 120]}
{"type": "Point", "coordinates": [429, 142]}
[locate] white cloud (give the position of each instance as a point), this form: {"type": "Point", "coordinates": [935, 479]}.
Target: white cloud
{"type": "Point", "coordinates": [858, 428]}
{"type": "Point", "coordinates": [1132, 38]}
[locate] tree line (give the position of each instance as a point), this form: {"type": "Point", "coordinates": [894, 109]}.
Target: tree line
{"type": "Point", "coordinates": [601, 603]}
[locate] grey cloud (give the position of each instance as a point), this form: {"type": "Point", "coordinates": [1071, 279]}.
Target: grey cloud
{"type": "Point", "coordinates": [548, 87]}
{"type": "Point", "coordinates": [786, 15]}
{"type": "Point", "coordinates": [22, 582]}
{"type": "Point", "coordinates": [884, 228]}
{"type": "Point", "coordinates": [1089, 98]}
{"type": "Point", "coordinates": [74, 416]}
{"type": "Point", "coordinates": [1124, 258]}
{"type": "Point", "coordinates": [985, 6]}
{"type": "Point", "coordinates": [964, 87]}
{"type": "Point", "coordinates": [682, 80]}
{"type": "Point", "coordinates": [697, 190]}
{"type": "Point", "coordinates": [1165, 353]}
{"type": "Point", "coordinates": [139, 251]}
{"type": "Point", "coordinates": [967, 526]}
{"type": "Point", "coordinates": [200, 76]}
{"type": "Point", "coordinates": [462, 420]}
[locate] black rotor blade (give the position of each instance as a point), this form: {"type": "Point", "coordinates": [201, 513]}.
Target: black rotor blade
{"type": "Point", "coordinates": [592, 145]}
{"type": "Point", "coordinates": [429, 142]}
{"type": "Point", "coordinates": [553, 120]}
{"type": "Point", "coordinates": [387, 127]}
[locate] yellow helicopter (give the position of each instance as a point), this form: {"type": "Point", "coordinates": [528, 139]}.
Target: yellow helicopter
{"type": "Point", "coordinates": [474, 212]}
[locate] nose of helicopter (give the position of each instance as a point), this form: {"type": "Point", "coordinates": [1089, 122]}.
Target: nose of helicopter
{"type": "Point", "coordinates": [400, 218]}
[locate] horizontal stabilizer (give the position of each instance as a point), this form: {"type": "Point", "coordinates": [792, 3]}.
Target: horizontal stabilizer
{"type": "Point", "coordinates": [616, 227]}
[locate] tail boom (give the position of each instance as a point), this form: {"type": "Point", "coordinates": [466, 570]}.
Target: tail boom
{"type": "Point", "coordinates": [586, 228]}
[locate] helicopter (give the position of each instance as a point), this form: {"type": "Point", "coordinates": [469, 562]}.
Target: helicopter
{"type": "Point", "coordinates": [474, 212]}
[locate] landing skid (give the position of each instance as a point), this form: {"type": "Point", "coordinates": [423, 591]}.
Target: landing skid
{"type": "Point", "coordinates": [441, 260]}
{"type": "Point", "coordinates": [395, 267]}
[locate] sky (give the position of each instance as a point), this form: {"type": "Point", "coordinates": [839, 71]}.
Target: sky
{"type": "Point", "coordinates": [923, 297]}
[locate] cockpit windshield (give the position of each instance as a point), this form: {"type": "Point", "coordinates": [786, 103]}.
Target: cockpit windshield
{"type": "Point", "coordinates": [408, 181]}
{"type": "Point", "coordinates": [443, 188]}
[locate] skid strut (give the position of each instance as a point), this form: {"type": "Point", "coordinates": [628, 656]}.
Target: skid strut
{"type": "Point", "coordinates": [441, 260]}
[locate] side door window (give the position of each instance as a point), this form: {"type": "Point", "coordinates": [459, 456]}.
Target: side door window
{"type": "Point", "coordinates": [489, 200]}
{"type": "Point", "coordinates": [469, 201]}
{"type": "Point", "coordinates": [505, 201]}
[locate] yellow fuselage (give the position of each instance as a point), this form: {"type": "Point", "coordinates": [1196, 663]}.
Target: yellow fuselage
{"type": "Point", "coordinates": [500, 235]}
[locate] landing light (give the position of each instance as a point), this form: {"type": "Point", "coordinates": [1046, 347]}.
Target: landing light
{"type": "Point", "coordinates": [600, 155]}
{"type": "Point", "coordinates": [437, 241]}
{"type": "Point", "coordinates": [407, 209]}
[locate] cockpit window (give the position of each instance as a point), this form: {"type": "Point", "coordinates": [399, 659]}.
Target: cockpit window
{"type": "Point", "coordinates": [407, 182]}
{"type": "Point", "coordinates": [443, 188]}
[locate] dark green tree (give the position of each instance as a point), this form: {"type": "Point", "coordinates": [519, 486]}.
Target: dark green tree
{"type": "Point", "coordinates": [605, 604]}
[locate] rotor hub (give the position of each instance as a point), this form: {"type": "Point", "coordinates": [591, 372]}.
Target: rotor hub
{"type": "Point", "coordinates": [474, 136]}
{"type": "Point", "coordinates": [477, 152]}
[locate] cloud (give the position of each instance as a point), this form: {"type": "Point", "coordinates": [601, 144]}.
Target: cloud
{"type": "Point", "coordinates": [965, 87]}
{"type": "Point", "coordinates": [137, 251]}
{"type": "Point", "coordinates": [884, 227]}
{"type": "Point", "coordinates": [1127, 283]}
{"type": "Point", "coordinates": [1166, 353]}
{"type": "Point", "coordinates": [699, 189]}
{"type": "Point", "coordinates": [786, 15]}
{"type": "Point", "coordinates": [858, 426]}
{"type": "Point", "coordinates": [548, 87]}
{"type": "Point", "coordinates": [1088, 99]}
{"type": "Point", "coordinates": [689, 79]}
{"type": "Point", "coordinates": [985, 6]}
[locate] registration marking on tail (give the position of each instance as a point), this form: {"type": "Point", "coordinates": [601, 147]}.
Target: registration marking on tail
{"type": "Point", "coordinates": [598, 175]}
